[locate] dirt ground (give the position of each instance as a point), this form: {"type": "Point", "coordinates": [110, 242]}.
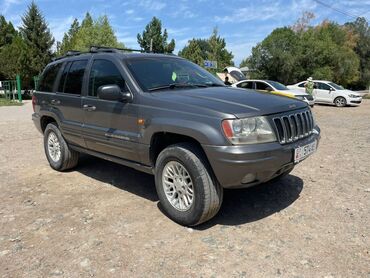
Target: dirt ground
{"type": "Point", "coordinates": [102, 219]}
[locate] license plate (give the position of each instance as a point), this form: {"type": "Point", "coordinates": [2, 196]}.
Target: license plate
{"type": "Point", "coordinates": [301, 153]}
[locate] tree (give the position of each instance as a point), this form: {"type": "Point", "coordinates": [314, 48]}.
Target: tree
{"type": "Point", "coordinates": [362, 48]}
{"type": "Point", "coordinates": [91, 32]}
{"type": "Point", "coordinates": [275, 57]}
{"type": "Point", "coordinates": [194, 51]}
{"type": "Point", "coordinates": [152, 37]}
{"type": "Point", "coordinates": [218, 52]}
{"type": "Point", "coordinates": [325, 51]}
{"type": "Point", "coordinates": [13, 59]}
{"type": "Point", "coordinates": [303, 23]}
{"type": "Point", "coordinates": [7, 32]}
{"type": "Point", "coordinates": [39, 41]}
{"type": "Point", "coordinates": [69, 38]}
{"type": "Point", "coordinates": [213, 48]}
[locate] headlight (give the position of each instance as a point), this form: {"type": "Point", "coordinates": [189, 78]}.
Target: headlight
{"type": "Point", "coordinates": [353, 96]}
{"type": "Point", "coordinates": [248, 131]}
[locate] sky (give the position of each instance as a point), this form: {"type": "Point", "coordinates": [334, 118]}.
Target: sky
{"type": "Point", "coordinates": [243, 23]}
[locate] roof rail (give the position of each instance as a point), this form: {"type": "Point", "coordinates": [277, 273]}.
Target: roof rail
{"type": "Point", "coordinates": [95, 49]}
{"type": "Point", "coordinates": [69, 53]}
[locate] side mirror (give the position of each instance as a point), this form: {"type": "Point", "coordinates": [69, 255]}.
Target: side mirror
{"type": "Point", "coordinates": [331, 89]}
{"type": "Point", "coordinates": [269, 89]}
{"type": "Point", "coordinates": [113, 93]}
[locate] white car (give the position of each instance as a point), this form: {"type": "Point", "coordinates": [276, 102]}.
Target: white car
{"type": "Point", "coordinates": [330, 93]}
{"type": "Point", "coordinates": [275, 88]}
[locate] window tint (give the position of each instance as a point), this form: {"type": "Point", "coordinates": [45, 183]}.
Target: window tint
{"type": "Point", "coordinates": [246, 85]}
{"type": "Point", "coordinates": [73, 82]}
{"type": "Point", "coordinates": [322, 86]}
{"type": "Point", "coordinates": [104, 72]}
{"type": "Point", "coordinates": [64, 77]}
{"type": "Point", "coordinates": [261, 86]}
{"type": "Point", "coordinates": [302, 85]}
{"type": "Point", "coordinates": [48, 77]}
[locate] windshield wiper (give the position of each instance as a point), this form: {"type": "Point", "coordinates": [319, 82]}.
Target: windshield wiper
{"type": "Point", "coordinates": [171, 86]}
{"type": "Point", "coordinates": [188, 85]}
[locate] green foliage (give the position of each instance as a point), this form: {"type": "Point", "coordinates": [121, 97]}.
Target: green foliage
{"type": "Point", "coordinates": [361, 29]}
{"type": "Point", "coordinates": [7, 32]}
{"type": "Point", "coordinates": [153, 32]}
{"type": "Point", "coordinates": [326, 51]}
{"type": "Point", "coordinates": [13, 59]}
{"type": "Point", "coordinates": [97, 32]}
{"type": "Point", "coordinates": [213, 48]}
{"type": "Point", "coordinates": [39, 41]}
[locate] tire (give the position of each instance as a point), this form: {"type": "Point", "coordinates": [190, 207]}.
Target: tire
{"type": "Point", "coordinates": [340, 102]}
{"type": "Point", "coordinates": [206, 198]}
{"type": "Point", "coordinates": [57, 151]}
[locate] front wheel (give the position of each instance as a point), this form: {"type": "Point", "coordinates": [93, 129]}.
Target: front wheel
{"type": "Point", "coordinates": [340, 102]}
{"type": "Point", "coordinates": [186, 187]}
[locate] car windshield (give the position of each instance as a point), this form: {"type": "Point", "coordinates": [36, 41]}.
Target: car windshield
{"type": "Point", "coordinates": [278, 86]}
{"type": "Point", "coordinates": [336, 86]}
{"type": "Point", "coordinates": [161, 73]}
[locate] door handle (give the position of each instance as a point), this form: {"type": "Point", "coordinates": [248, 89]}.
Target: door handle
{"type": "Point", "coordinates": [55, 101]}
{"type": "Point", "coordinates": [88, 107]}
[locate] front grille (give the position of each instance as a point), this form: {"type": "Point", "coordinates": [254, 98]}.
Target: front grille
{"type": "Point", "coordinates": [293, 126]}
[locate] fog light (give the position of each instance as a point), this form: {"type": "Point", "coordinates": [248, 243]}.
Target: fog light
{"type": "Point", "coordinates": [249, 178]}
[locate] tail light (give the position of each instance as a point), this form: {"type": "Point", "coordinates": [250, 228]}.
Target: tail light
{"type": "Point", "coordinates": [34, 100]}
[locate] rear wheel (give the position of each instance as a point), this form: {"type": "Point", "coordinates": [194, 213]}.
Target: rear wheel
{"type": "Point", "coordinates": [188, 192]}
{"type": "Point", "coordinates": [340, 102]}
{"type": "Point", "coordinates": [57, 151]}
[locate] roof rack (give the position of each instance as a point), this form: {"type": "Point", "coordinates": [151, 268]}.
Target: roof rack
{"type": "Point", "coordinates": [70, 53]}
{"type": "Point", "coordinates": [95, 49]}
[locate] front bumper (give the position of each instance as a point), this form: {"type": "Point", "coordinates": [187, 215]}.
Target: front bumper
{"type": "Point", "coordinates": [248, 165]}
{"type": "Point", "coordinates": [355, 101]}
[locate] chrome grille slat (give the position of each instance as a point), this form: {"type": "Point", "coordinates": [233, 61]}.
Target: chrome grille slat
{"type": "Point", "coordinates": [291, 127]}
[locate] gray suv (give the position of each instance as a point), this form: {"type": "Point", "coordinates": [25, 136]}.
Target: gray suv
{"type": "Point", "coordinates": [166, 116]}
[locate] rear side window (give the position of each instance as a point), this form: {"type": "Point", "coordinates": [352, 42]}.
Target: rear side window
{"type": "Point", "coordinates": [72, 77]}
{"type": "Point", "coordinates": [246, 85]}
{"type": "Point", "coordinates": [48, 77]}
{"type": "Point", "coordinates": [302, 85]}
{"type": "Point", "coordinates": [104, 72]}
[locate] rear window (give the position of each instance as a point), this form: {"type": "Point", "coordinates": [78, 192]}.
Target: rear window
{"type": "Point", "coordinates": [48, 77]}
{"type": "Point", "coordinates": [73, 80]}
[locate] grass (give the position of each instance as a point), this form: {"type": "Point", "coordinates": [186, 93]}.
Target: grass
{"type": "Point", "coordinates": [7, 102]}
{"type": "Point", "coordinates": [367, 96]}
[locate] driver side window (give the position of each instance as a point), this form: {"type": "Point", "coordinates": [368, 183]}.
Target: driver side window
{"type": "Point", "coordinates": [262, 86]}
{"type": "Point", "coordinates": [323, 86]}
{"type": "Point", "coordinates": [104, 72]}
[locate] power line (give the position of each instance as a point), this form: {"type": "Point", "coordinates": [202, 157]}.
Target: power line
{"type": "Point", "coordinates": [337, 10]}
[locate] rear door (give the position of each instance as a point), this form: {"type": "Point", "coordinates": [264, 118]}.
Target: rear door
{"type": "Point", "coordinates": [110, 127]}
{"type": "Point", "coordinates": [66, 102]}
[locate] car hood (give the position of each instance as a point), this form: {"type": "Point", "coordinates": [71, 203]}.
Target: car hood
{"type": "Point", "coordinates": [226, 101]}
{"type": "Point", "coordinates": [348, 92]}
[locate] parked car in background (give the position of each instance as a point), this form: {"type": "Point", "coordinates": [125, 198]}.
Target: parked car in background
{"type": "Point", "coordinates": [330, 93]}
{"type": "Point", "coordinates": [275, 88]}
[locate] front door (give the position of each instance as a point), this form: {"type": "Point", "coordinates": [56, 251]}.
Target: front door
{"type": "Point", "coordinates": [323, 92]}
{"type": "Point", "coordinates": [110, 127]}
